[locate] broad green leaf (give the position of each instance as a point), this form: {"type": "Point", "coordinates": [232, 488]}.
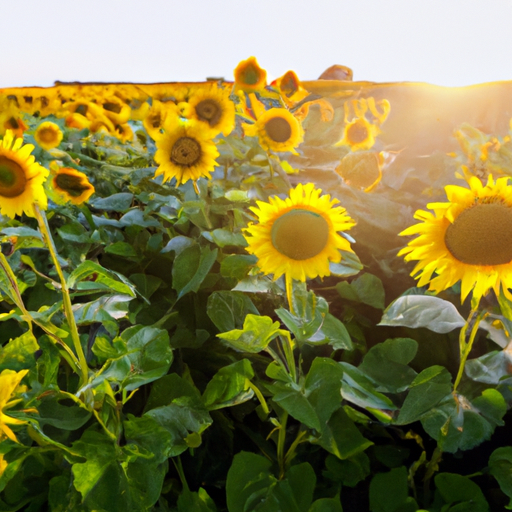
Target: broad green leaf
{"type": "Point", "coordinates": [114, 203]}
{"type": "Point", "coordinates": [228, 310]}
{"type": "Point", "coordinates": [349, 471]}
{"type": "Point", "coordinates": [95, 276]}
{"type": "Point", "coordinates": [195, 501]}
{"type": "Point", "coordinates": [335, 333]}
{"type": "Point", "coordinates": [341, 437]}
{"type": "Point", "coordinates": [350, 265]}
{"type": "Point", "coordinates": [257, 333]}
{"type": "Point", "coordinates": [191, 267]}
{"type": "Point", "coordinates": [389, 492]}
{"type": "Point", "coordinates": [491, 368]}
{"type": "Point", "coordinates": [121, 249]}
{"type": "Point", "coordinates": [146, 478]}
{"type": "Point", "coordinates": [146, 284]}
{"type": "Point", "coordinates": [66, 417]}
{"type": "Point", "coordinates": [500, 467]}
{"type": "Point", "coordinates": [326, 505]}
{"type": "Point", "coordinates": [237, 265]}
{"type": "Point", "coordinates": [464, 424]}
{"type": "Point", "coordinates": [386, 364]}
{"type": "Point", "coordinates": [229, 386]}
{"type": "Point", "coordinates": [366, 288]}
{"type": "Point", "coordinates": [462, 492]}
{"type": "Point", "coordinates": [427, 311]}
{"type": "Point", "coordinates": [137, 218]}
{"type": "Point", "coordinates": [21, 232]}
{"type": "Point", "coordinates": [224, 237]}
{"type": "Point", "coordinates": [425, 392]}
{"type": "Point", "coordinates": [18, 354]}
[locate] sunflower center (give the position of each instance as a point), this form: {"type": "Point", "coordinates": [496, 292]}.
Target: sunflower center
{"type": "Point", "coordinates": [357, 133]}
{"type": "Point", "coordinates": [251, 75]}
{"type": "Point", "coordinates": [47, 135]}
{"type": "Point", "coordinates": [300, 234]}
{"type": "Point", "coordinates": [72, 185]}
{"type": "Point", "coordinates": [209, 110]}
{"type": "Point", "coordinates": [112, 107]}
{"type": "Point", "coordinates": [482, 235]}
{"type": "Point", "coordinates": [12, 178]}
{"type": "Point", "coordinates": [278, 129]}
{"type": "Point", "coordinates": [186, 151]}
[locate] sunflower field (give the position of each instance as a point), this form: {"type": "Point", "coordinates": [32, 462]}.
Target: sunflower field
{"type": "Point", "coordinates": [246, 296]}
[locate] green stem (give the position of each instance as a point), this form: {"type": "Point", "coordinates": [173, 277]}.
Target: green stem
{"type": "Point", "coordinates": [290, 454]}
{"type": "Point", "coordinates": [465, 347]}
{"type": "Point", "coordinates": [289, 292]}
{"type": "Point", "coordinates": [259, 396]}
{"type": "Point", "coordinates": [281, 458]}
{"type": "Point", "coordinates": [288, 352]}
{"type": "Point", "coordinates": [68, 311]}
{"type": "Point", "coordinates": [179, 468]}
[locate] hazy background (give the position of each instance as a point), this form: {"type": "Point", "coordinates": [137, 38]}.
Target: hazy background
{"type": "Point", "coordinates": [444, 42]}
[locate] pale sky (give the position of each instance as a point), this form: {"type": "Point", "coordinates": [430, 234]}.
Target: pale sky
{"type": "Point", "coordinates": [443, 42]}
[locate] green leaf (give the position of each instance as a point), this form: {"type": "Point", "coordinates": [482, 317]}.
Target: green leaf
{"type": "Point", "coordinates": [335, 333]}
{"type": "Point", "coordinates": [227, 310]}
{"type": "Point", "coordinates": [350, 265]}
{"type": "Point", "coordinates": [229, 386]}
{"type": "Point", "coordinates": [121, 249]}
{"type": "Point", "coordinates": [389, 491]}
{"type": "Point", "coordinates": [500, 467]}
{"type": "Point", "coordinates": [22, 232]}
{"type": "Point", "coordinates": [427, 311]}
{"type": "Point", "coordinates": [349, 471]}
{"type": "Point", "coordinates": [460, 490]}
{"type": "Point", "coordinates": [464, 424]}
{"type": "Point", "coordinates": [114, 203]}
{"type": "Point", "coordinates": [102, 279]}
{"type": "Point", "coordinates": [195, 501]}
{"type": "Point", "coordinates": [191, 267]}
{"type": "Point", "coordinates": [66, 417]}
{"type": "Point", "coordinates": [326, 505]}
{"type": "Point", "coordinates": [18, 354]}
{"type": "Point", "coordinates": [248, 481]}
{"type": "Point", "coordinates": [224, 237]}
{"type": "Point", "coordinates": [426, 391]}
{"type": "Point", "coordinates": [257, 333]}
{"type": "Point", "coordinates": [367, 289]}
{"type": "Point", "coordinates": [386, 364]}
{"type": "Point", "coordinates": [237, 265]}
{"type": "Point", "coordinates": [491, 368]}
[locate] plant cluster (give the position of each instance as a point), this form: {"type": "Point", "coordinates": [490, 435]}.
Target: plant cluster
{"type": "Point", "coordinates": [185, 324]}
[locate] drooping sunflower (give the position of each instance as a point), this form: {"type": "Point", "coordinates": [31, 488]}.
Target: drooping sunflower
{"type": "Point", "coordinates": [48, 135]}
{"type": "Point", "coordinates": [361, 169]}
{"type": "Point", "coordinates": [21, 178]}
{"type": "Point", "coordinates": [211, 105]}
{"type": "Point", "coordinates": [468, 239]}
{"type": "Point", "coordinates": [249, 76]}
{"type": "Point", "coordinates": [298, 236]}
{"type": "Point", "coordinates": [70, 185]}
{"type": "Point", "coordinates": [277, 129]}
{"type": "Point", "coordinates": [185, 151]}
{"type": "Point", "coordinates": [156, 117]}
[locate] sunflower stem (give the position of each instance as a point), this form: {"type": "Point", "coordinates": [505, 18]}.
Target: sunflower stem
{"type": "Point", "coordinates": [289, 292]}
{"type": "Point", "coordinates": [281, 458]}
{"type": "Point", "coordinates": [465, 347]}
{"type": "Point", "coordinates": [66, 298]}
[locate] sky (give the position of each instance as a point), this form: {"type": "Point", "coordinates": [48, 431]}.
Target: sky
{"type": "Point", "coordinates": [443, 42]}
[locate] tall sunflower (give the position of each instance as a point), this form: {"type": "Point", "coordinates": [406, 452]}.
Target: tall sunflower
{"type": "Point", "coordinates": [468, 239]}
{"type": "Point", "coordinates": [48, 135]}
{"type": "Point", "coordinates": [185, 151]}
{"type": "Point", "coordinates": [249, 76]}
{"type": "Point", "coordinates": [9, 381]}
{"type": "Point", "coordinates": [298, 236]}
{"type": "Point", "coordinates": [21, 178]}
{"type": "Point", "coordinates": [359, 134]}
{"type": "Point", "coordinates": [211, 105]}
{"type": "Point", "coordinates": [70, 185]}
{"type": "Point", "coordinates": [277, 128]}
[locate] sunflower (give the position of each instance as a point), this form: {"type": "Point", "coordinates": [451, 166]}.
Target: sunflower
{"type": "Point", "coordinates": [10, 119]}
{"type": "Point", "coordinates": [359, 134]}
{"type": "Point", "coordinates": [21, 178]}
{"type": "Point", "coordinates": [277, 129]}
{"type": "Point", "coordinates": [48, 135]}
{"type": "Point", "coordinates": [298, 236]}
{"type": "Point", "coordinates": [249, 76]}
{"type": "Point", "coordinates": [362, 169]}
{"type": "Point", "coordinates": [468, 239]}
{"type": "Point", "coordinates": [185, 152]}
{"type": "Point", "coordinates": [70, 185]}
{"type": "Point", "coordinates": [211, 105]}
{"type": "Point", "coordinates": [116, 110]}
{"type": "Point", "coordinates": [156, 117]}
{"type": "Point", "coordinates": [9, 381]}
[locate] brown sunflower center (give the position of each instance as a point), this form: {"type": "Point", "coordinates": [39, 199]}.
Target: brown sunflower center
{"type": "Point", "coordinates": [12, 178]}
{"type": "Point", "coordinates": [278, 129]}
{"type": "Point", "coordinates": [47, 135]}
{"type": "Point", "coordinates": [300, 234]}
{"type": "Point", "coordinates": [112, 107]}
{"type": "Point", "coordinates": [72, 185]}
{"type": "Point", "coordinates": [251, 75]}
{"type": "Point", "coordinates": [186, 152]}
{"type": "Point", "coordinates": [209, 110]}
{"type": "Point", "coordinates": [482, 235]}
{"type": "Point", "coordinates": [357, 133]}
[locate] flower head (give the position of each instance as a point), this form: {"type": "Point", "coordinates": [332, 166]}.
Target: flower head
{"type": "Point", "coordinates": [48, 135]}
{"type": "Point", "coordinates": [185, 151]}
{"type": "Point", "coordinates": [249, 76]}
{"type": "Point", "coordinates": [70, 185]}
{"type": "Point", "coordinates": [9, 381]}
{"type": "Point", "coordinates": [21, 178]}
{"type": "Point", "coordinates": [298, 236]}
{"type": "Point", "coordinates": [468, 239]}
